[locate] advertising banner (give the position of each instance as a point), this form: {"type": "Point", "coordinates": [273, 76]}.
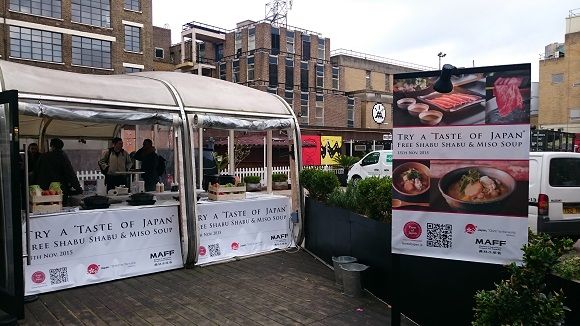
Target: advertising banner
{"type": "Point", "coordinates": [460, 164]}
{"type": "Point", "coordinates": [330, 147]}
{"type": "Point", "coordinates": [244, 227]}
{"type": "Point", "coordinates": [89, 247]}
{"type": "Point", "coordinates": [310, 150]}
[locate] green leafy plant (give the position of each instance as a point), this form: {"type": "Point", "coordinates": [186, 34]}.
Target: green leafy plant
{"type": "Point", "coordinates": [345, 162]}
{"type": "Point", "coordinates": [568, 267]}
{"type": "Point", "coordinates": [344, 199]}
{"type": "Point", "coordinates": [373, 197]}
{"type": "Point", "coordinates": [523, 299]}
{"type": "Point", "coordinates": [279, 177]}
{"type": "Point", "coordinates": [320, 184]}
{"type": "Point", "coordinates": [252, 179]}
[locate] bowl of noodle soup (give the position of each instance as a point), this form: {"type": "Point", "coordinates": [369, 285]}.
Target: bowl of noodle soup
{"type": "Point", "coordinates": [411, 179]}
{"type": "Point", "coordinates": [476, 188]}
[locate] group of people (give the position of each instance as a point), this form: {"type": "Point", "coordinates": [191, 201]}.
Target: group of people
{"type": "Point", "coordinates": [55, 166]}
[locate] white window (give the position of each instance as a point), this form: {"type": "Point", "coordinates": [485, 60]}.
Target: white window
{"type": "Point", "coordinates": [132, 39]}
{"type": "Point", "coordinates": [34, 44]}
{"type": "Point", "coordinates": [335, 77]}
{"type": "Point", "coordinates": [321, 48]}
{"type": "Point", "coordinates": [290, 43]}
{"type": "Point", "coordinates": [320, 76]}
{"type": "Point", "coordinates": [236, 71]}
{"type": "Point", "coordinates": [350, 112]}
{"type": "Point", "coordinates": [251, 39]}
{"type": "Point", "coordinates": [304, 107]}
{"type": "Point", "coordinates": [251, 68]}
{"type": "Point", "coordinates": [90, 52]}
{"type": "Point", "coordinates": [47, 8]}
{"type": "Point", "coordinates": [319, 109]}
{"type": "Point", "coordinates": [238, 43]}
{"type": "Point", "coordinates": [91, 12]}
{"type": "Point", "coordinates": [133, 5]}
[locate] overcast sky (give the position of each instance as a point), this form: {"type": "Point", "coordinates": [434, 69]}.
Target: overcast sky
{"type": "Point", "coordinates": [487, 32]}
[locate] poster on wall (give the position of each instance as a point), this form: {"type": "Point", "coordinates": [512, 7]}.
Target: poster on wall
{"type": "Point", "coordinates": [95, 246]}
{"type": "Point", "coordinates": [251, 226]}
{"type": "Point", "coordinates": [330, 148]}
{"type": "Point", "coordinates": [460, 164]}
{"type": "Point", "coordinates": [310, 150]}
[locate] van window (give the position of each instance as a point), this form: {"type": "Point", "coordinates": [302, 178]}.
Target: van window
{"type": "Point", "coordinates": [372, 158]}
{"type": "Point", "coordinates": [565, 172]}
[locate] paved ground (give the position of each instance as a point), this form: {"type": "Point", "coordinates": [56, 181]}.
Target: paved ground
{"type": "Point", "coordinates": [275, 289]}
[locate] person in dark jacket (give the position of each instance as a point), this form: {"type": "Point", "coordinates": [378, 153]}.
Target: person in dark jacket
{"type": "Point", "coordinates": [148, 158]}
{"type": "Point", "coordinates": [55, 166]}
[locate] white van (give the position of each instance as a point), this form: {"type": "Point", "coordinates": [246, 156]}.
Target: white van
{"type": "Point", "coordinates": [554, 192]}
{"type": "Point", "coordinates": [375, 163]}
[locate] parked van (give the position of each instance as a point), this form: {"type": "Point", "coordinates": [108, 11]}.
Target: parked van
{"type": "Point", "coordinates": [375, 163]}
{"type": "Point", "coordinates": [554, 192]}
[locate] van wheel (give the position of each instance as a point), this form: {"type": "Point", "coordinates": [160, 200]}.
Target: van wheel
{"type": "Point", "coordinates": [355, 180]}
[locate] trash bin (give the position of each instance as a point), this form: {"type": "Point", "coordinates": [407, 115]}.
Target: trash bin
{"type": "Point", "coordinates": [336, 261]}
{"type": "Point", "coordinates": [351, 278]}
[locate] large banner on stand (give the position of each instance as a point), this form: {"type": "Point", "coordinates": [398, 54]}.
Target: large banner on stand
{"type": "Point", "coordinates": [238, 228]}
{"type": "Point", "coordinates": [86, 247]}
{"type": "Point", "coordinates": [460, 164]}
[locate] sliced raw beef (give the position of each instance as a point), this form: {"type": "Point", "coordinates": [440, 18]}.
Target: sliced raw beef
{"type": "Point", "coordinates": [507, 95]}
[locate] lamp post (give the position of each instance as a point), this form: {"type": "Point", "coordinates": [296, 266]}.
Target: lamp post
{"type": "Point", "coordinates": [441, 55]}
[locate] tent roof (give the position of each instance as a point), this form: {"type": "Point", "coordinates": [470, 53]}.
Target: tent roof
{"type": "Point", "coordinates": [147, 90]}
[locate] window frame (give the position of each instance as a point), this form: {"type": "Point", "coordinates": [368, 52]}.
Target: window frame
{"type": "Point", "coordinates": [337, 79]}
{"type": "Point", "coordinates": [236, 72]}
{"type": "Point", "coordinates": [17, 6]}
{"type": "Point", "coordinates": [319, 75]}
{"type": "Point", "coordinates": [130, 39]}
{"type": "Point", "coordinates": [251, 39]}
{"type": "Point", "coordinates": [84, 41]}
{"type": "Point", "coordinates": [304, 110]}
{"type": "Point", "coordinates": [40, 37]}
{"type": "Point", "coordinates": [251, 67]}
{"type": "Point", "coordinates": [131, 3]}
{"type": "Point", "coordinates": [104, 7]}
{"type": "Point", "coordinates": [350, 112]}
{"type": "Point", "coordinates": [162, 53]}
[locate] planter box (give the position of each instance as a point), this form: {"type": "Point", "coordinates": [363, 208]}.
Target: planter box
{"type": "Point", "coordinates": [253, 187]}
{"type": "Point", "coordinates": [280, 185]}
{"type": "Point", "coordinates": [226, 193]}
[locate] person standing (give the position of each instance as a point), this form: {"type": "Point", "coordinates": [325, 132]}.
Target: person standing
{"type": "Point", "coordinates": [113, 160]}
{"type": "Point", "coordinates": [55, 166]}
{"type": "Point", "coordinates": [149, 160]}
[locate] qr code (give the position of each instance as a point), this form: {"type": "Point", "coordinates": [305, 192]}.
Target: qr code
{"type": "Point", "coordinates": [439, 235]}
{"type": "Point", "coordinates": [58, 275]}
{"type": "Point", "coordinates": [214, 250]}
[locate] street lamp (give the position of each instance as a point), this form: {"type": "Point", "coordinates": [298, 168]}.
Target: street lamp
{"type": "Point", "coordinates": [441, 55]}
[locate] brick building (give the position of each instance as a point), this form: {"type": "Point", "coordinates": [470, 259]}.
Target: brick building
{"type": "Point", "coordinates": [86, 36]}
{"type": "Point", "coordinates": [559, 93]}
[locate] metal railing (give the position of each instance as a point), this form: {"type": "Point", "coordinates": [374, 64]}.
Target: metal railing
{"type": "Point", "coordinates": [380, 59]}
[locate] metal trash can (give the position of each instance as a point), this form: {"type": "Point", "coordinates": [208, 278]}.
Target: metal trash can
{"type": "Point", "coordinates": [351, 278]}
{"type": "Point", "coordinates": [336, 262]}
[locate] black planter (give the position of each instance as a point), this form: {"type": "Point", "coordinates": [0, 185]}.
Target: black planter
{"type": "Point", "coordinates": [571, 290]}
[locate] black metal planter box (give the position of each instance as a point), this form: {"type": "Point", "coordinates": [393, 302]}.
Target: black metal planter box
{"type": "Point", "coordinates": [571, 290]}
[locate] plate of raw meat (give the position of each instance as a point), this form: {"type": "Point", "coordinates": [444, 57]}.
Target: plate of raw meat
{"type": "Point", "coordinates": [452, 102]}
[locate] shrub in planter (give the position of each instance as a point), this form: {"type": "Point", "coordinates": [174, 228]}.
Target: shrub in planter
{"type": "Point", "coordinates": [346, 199]}
{"type": "Point", "coordinates": [253, 183]}
{"type": "Point", "coordinates": [279, 181]}
{"type": "Point", "coordinates": [320, 184]}
{"type": "Point", "coordinates": [373, 198]}
{"type": "Point", "coordinates": [523, 298]}
{"type": "Point", "coordinates": [568, 268]}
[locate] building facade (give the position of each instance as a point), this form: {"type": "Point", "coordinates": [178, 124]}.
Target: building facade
{"type": "Point", "coordinates": [86, 36]}
{"type": "Point", "coordinates": [559, 90]}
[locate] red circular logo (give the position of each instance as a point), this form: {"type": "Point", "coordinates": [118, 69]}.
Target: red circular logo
{"type": "Point", "coordinates": [93, 269]}
{"type": "Point", "coordinates": [235, 246]}
{"type": "Point", "coordinates": [38, 277]}
{"type": "Point", "coordinates": [412, 230]}
{"type": "Point", "coordinates": [202, 251]}
{"type": "Point", "coordinates": [470, 228]}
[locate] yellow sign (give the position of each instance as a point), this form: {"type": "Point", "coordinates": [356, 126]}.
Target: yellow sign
{"type": "Point", "coordinates": [330, 147]}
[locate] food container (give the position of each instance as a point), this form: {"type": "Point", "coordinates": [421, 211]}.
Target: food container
{"type": "Point", "coordinates": [398, 178]}
{"type": "Point", "coordinates": [417, 108]}
{"type": "Point", "coordinates": [430, 117]}
{"type": "Point", "coordinates": [405, 102]}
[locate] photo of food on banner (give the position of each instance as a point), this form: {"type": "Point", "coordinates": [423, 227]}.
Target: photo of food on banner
{"type": "Point", "coordinates": [411, 184]}
{"type": "Point", "coordinates": [481, 187]}
{"type": "Point", "coordinates": [508, 97]}
{"type": "Point", "coordinates": [416, 103]}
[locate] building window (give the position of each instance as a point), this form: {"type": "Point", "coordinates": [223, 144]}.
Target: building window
{"type": "Point", "coordinates": [222, 70]}
{"type": "Point", "coordinates": [368, 79]}
{"type": "Point", "coordinates": [129, 70]}
{"type": "Point", "coordinates": [91, 52]}
{"type": "Point", "coordinates": [200, 52]}
{"type": "Point", "coordinates": [305, 47]}
{"type": "Point", "coordinates": [47, 8]}
{"type": "Point", "coordinates": [251, 39]}
{"type": "Point", "coordinates": [289, 73]}
{"type": "Point", "coordinates": [350, 112]}
{"type": "Point", "coordinates": [238, 44]}
{"type": "Point", "coordinates": [290, 43]}
{"type": "Point", "coordinates": [132, 38]}
{"type": "Point", "coordinates": [134, 5]}
{"type": "Point", "coordinates": [557, 78]}
{"type": "Point", "coordinates": [319, 76]}
{"type": "Point", "coordinates": [219, 52]}
{"type": "Point", "coordinates": [304, 107]}
{"type": "Point", "coordinates": [321, 49]}
{"type": "Point", "coordinates": [289, 97]}
{"type": "Point", "coordinates": [387, 82]}
{"type": "Point", "coordinates": [159, 53]}
{"type": "Point", "coordinates": [236, 71]}
{"type": "Point", "coordinates": [304, 76]}
{"type": "Point", "coordinates": [250, 68]}
{"type": "Point", "coordinates": [273, 71]}
{"type": "Point", "coordinates": [275, 40]}
{"type": "Point", "coordinates": [33, 44]}
{"type": "Point", "coordinates": [272, 90]}
{"type": "Point", "coordinates": [319, 109]}
{"type": "Point", "coordinates": [335, 77]}
{"type": "Point", "coordinates": [92, 12]}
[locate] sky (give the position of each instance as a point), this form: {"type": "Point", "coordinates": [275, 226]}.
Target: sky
{"type": "Point", "coordinates": [469, 32]}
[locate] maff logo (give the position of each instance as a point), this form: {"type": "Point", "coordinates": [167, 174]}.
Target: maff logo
{"type": "Point", "coordinates": [490, 242]}
{"type": "Point", "coordinates": [279, 236]}
{"type": "Point", "coordinates": [161, 254]}
{"type": "Point", "coordinates": [470, 228]}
